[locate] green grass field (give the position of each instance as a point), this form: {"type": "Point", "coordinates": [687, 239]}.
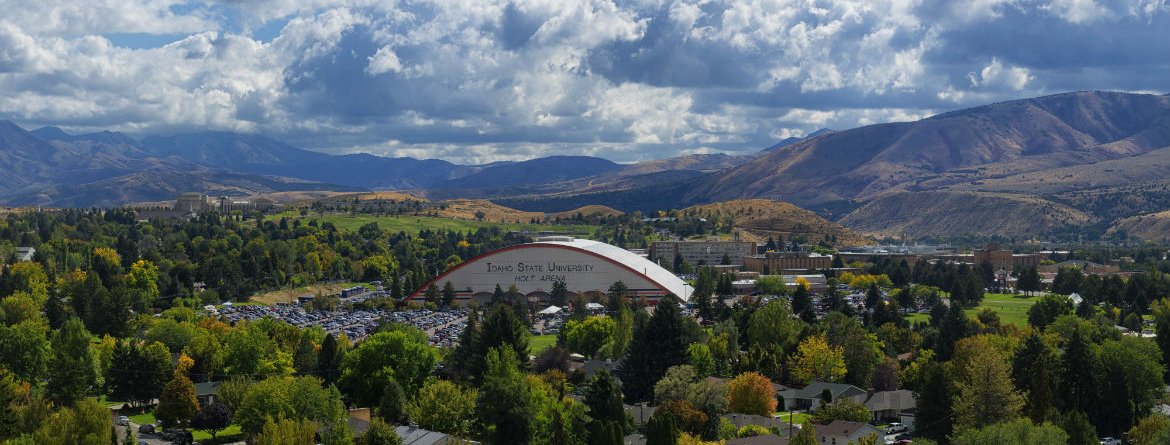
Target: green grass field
{"type": "Point", "coordinates": [797, 420]}
{"type": "Point", "coordinates": [413, 224]}
{"type": "Point", "coordinates": [202, 436]}
{"type": "Point", "coordinates": [1012, 309]}
{"type": "Point", "coordinates": [538, 343]}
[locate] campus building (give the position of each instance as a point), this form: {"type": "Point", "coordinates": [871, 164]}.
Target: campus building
{"type": "Point", "coordinates": [700, 252]}
{"type": "Point", "coordinates": [586, 267]}
{"type": "Point", "coordinates": [776, 262]}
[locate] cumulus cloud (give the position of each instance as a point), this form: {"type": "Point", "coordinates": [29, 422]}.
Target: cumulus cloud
{"type": "Point", "coordinates": [478, 81]}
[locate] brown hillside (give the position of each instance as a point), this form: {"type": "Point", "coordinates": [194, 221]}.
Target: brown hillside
{"type": "Point", "coordinates": [949, 212]}
{"type": "Point", "coordinates": [1153, 227]}
{"type": "Point", "coordinates": [587, 211]}
{"type": "Point", "coordinates": [1040, 133]}
{"type": "Point", "coordinates": [765, 218]}
{"type": "Point", "coordinates": [466, 208]}
{"type": "Point", "coordinates": [396, 196]}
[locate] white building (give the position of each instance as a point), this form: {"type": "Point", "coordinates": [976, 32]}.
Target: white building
{"type": "Point", "coordinates": [585, 266]}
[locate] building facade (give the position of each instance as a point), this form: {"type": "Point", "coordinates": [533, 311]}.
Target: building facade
{"type": "Point", "coordinates": [776, 262]}
{"type": "Point", "coordinates": [585, 266]}
{"type": "Point", "coordinates": [700, 252]}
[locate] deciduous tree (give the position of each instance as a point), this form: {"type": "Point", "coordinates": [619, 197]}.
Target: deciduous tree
{"type": "Point", "coordinates": [751, 393]}
{"type": "Point", "coordinates": [816, 360]}
{"type": "Point", "coordinates": [444, 407]}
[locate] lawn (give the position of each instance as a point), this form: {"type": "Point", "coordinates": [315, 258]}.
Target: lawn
{"type": "Point", "coordinates": [538, 343]}
{"type": "Point", "coordinates": [202, 436]}
{"type": "Point", "coordinates": [413, 224]}
{"type": "Point", "coordinates": [141, 419]}
{"type": "Point", "coordinates": [799, 418]}
{"type": "Point", "coordinates": [1012, 309]}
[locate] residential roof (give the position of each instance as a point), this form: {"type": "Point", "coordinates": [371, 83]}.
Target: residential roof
{"type": "Point", "coordinates": [206, 388]}
{"type": "Point", "coordinates": [814, 390]}
{"type": "Point", "coordinates": [899, 400]}
{"type": "Point", "coordinates": [768, 439]}
{"type": "Point", "coordinates": [418, 436]}
{"type": "Point", "coordinates": [844, 429]}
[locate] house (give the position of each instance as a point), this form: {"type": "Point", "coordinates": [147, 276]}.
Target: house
{"type": "Point", "coordinates": [742, 420]}
{"type": "Point", "coordinates": [205, 392]}
{"type": "Point", "coordinates": [809, 397]}
{"type": "Point", "coordinates": [25, 253]}
{"type": "Point", "coordinates": [888, 405]}
{"type": "Point", "coordinates": [417, 436]}
{"type": "Point", "coordinates": [767, 439]}
{"type": "Point", "coordinates": [841, 432]}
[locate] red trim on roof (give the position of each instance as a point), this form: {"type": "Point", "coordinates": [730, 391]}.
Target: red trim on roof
{"type": "Point", "coordinates": [418, 292]}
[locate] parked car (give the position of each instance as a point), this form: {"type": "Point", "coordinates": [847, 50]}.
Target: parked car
{"type": "Point", "coordinates": [1110, 441]}
{"type": "Point", "coordinates": [895, 428]}
{"type": "Point", "coordinates": [146, 429]}
{"type": "Point", "coordinates": [122, 421]}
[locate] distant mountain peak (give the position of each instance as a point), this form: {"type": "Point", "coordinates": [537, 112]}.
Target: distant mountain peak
{"type": "Point", "coordinates": [792, 140]}
{"type": "Point", "coordinates": [51, 133]}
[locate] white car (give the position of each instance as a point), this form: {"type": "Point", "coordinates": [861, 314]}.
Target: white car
{"type": "Point", "coordinates": [895, 428]}
{"type": "Point", "coordinates": [122, 421]}
{"type": "Point", "coordinates": [1110, 441]}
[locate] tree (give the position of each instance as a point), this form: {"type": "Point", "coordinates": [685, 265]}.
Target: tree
{"type": "Point", "coordinates": [86, 423]}
{"type": "Point", "coordinates": [589, 335]}
{"type": "Point", "coordinates": [802, 303]}
{"type": "Point", "coordinates": [1152, 430]}
{"type": "Point", "coordinates": [25, 349]}
{"type": "Point", "coordinates": [862, 350]}
{"type": "Point", "coordinates": [379, 433]}
{"type": "Point", "coordinates": [287, 432]}
{"type": "Point", "coordinates": [1040, 396]}
{"type": "Point", "coordinates": [448, 294]}
{"type": "Point", "coordinates": [293, 398]}
{"type": "Point", "coordinates": [402, 355]}
{"type": "Point", "coordinates": [505, 407]}
{"type": "Point", "coordinates": [502, 328]}
{"type": "Point", "coordinates": [604, 399]}
{"type": "Point", "coordinates": [1134, 381]}
{"type": "Point", "coordinates": [751, 393]}
{"type": "Point", "coordinates": [623, 332]}
{"type": "Point", "coordinates": [842, 409]}
{"type": "Point", "coordinates": [986, 394]}
{"type": "Point", "coordinates": [1161, 311]}
{"type": "Point", "coordinates": [816, 360]}
{"type": "Point", "coordinates": [1029, 280]}
{"type": "Point", "coordinates": [1048, 309]}
{"type": "Point", "coordinates": [177, 404]}
{"type": "Point", "coordinates": [231, 392]}
{"type": "Point", "coordinates": [212, 418]}
{"type": "Point", "coordinates": [560, 293]}
{"type": "Point", "coordinates": [431, 295]}
{"type": "Point", "coordinates": [934, 417]}
{"type": "Point", "coordinates": [73, 370]}
{"type": "Point", "coordinates": [806, 436]}
{"type": "Point", "coordinates": [444, 407]}
{"type": "Point", "coordinates": [772, 327]}
{"type": "Point", "coordinates": [686, 417]}
{"type": "Point", "coordinates": [701, 359]}
{"type": "Point", "coordinates": [675, 385]}
{"type": "Point", "coordinates": [885, 375]}
{"type": "Point", "coordinates": [1017, 432]}
{"type": "Point", "coordinates": [656, 346]}
{"type": "Point", "coordinates": [1080, 431]}
{"type": "Point", "coordinates": [662, 429]}
{"type": "Point", "coordinates": [392, 407]}
{"type": "Point", "coordinates": [10, 393]}
{"type": "Point", "coordinates": [1079, 384]}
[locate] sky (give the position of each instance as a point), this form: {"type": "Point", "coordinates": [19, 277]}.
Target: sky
{"type": "Point", "coordinates": [476, 81]}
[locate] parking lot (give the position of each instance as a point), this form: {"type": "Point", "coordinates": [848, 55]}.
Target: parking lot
{"type": "Point", "coordinates": [442, 326]}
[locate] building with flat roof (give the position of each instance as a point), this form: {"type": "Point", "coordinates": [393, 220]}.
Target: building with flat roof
{"type": "Point", "coordinates": [775, 262]}
{"type": "Point", "coordinates": [701, 252]}
{"type": "Point", "coordinates": [586, 267]}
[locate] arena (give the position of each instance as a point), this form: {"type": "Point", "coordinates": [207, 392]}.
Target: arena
{"type": "Point", "coordinates": [587, 267]}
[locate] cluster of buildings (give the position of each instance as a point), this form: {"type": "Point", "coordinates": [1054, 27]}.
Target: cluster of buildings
{"type": "Point", "coordinates": [194, 202]}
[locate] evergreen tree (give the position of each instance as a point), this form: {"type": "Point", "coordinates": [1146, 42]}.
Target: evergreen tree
{"type": "Point", "coordinates": [560, 294]}
{"type": "Point", "coordinates": [305, 358]}
{"type": "Point", "coordinates": [392, 405]}
{"type": "Point", "coordinates": [934, 417]}
{"type": "Point", "coordinates": [662, 429]}
{"type": "Point", "coordinates": [952, 329]}
{"type": "Point", "coordinates": [448, 294]}
{"type": "Point", "coordinates": [431, 295]}
{"type": "Point", "coordinates": [505, 407]}
{"type": "Point", "coordinates": [1080, 431]}
{"type": "Point", "coordinates": [1040, 396]}
{"type": "Point", "coordinates": [502, 328]}
{"type": "Point", "coordinates": [656, 346]}
{"type": "Point", "coordinates": [329, 360]}
{"type": "Point", "coordinates": [466, 355]}
{"type": "Point", "coordinates": [802, 304]}
{"type": "Point", "coordinates": [73, 370]}
{"type": "Point", "coordinates": [1079, 384]}
{"type": "Point", "coordinates": [604, 399]}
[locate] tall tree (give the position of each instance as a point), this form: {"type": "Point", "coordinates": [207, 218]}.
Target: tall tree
{"type": "Point", "coordinates": [448, 294]}
{"type": "Point", "coordinates": [934, 417]}
{"type": "Point", "coordinates": [443, 406]}
{"type": "Point", "coordinates": [1079, 379]}
{"type": "Point", "coordinates": [986, 394]}
{"type": "Point", "coordinates": [505, 408]}
{"type": "Point", "coordinates": [560, 294]}
{"type": "Point", "coordinates": [656, 346]}
{"type": "Point", "coordinates": [751, 393]}
{"type": "Point", "coordinates": [73, 370]}
{"type": "Point", "coordinates": [404, 356]}
{"type": "Point", "coordinates": [802, 304]}
{"type": "Point", "coordinates": [604, 399]}
{"type": "Point", "coordinates": [329, 360]}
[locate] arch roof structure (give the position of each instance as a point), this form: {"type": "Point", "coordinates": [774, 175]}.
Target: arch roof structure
{"type": "Point", "coordinates": [585, 266]}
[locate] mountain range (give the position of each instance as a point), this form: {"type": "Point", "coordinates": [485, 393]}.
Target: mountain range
{"type": "Point", "coordinates": [1073, 161]}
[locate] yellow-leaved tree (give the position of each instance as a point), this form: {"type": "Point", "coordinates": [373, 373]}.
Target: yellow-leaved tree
{"type": "Point", "coordinates": [816, 359]}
